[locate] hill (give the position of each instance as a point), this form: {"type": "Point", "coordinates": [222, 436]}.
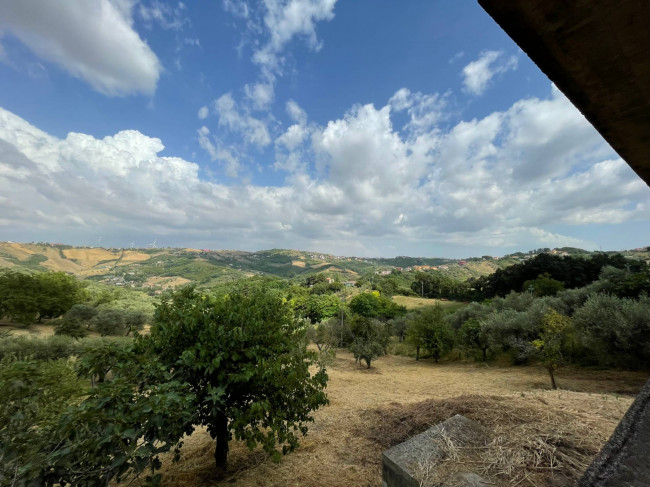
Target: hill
{"type": "Point", "coordinates": [169, 267]}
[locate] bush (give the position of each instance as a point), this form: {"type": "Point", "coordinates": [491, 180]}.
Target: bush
{"type": "Point", "coordinates": [72, 329]}
{"type": "Point", "coordinates": [33, 395]}
{"type": "Point", "coordinates": [615, 331]}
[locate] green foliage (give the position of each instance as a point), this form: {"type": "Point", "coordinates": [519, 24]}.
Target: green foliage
{"type": "Point", "coordinates": [553, 340]}
{"type": "Point", "coordinates": [370, 338]}
{"type": "Point", "coordinates": [473, 335]}
{"type": "Point", "coordinates": [33, 396]}
{"type": "Point", "coordinates": [615, 331]}
{"type": "Point", "coordinates": [244, 358]}
{"type": "Point", "coordinates": [430, 331]}
{"type": "Point", "coordinates": [373, 305]}
{"type": "Point", "coordinates": [124, 424]}
{"type": "Point", "coordinates": [26, 297]}
{"type": "Point", "coordinates": [70, 328]}
{"type": "Point", "coordinates": [81, 314]}
{"type": "Point", "coordinates": [573, 272]}
{"type": "Point", "coordinates": [51, 348]}
{"type": "Point", "coordinates": [544, 285]}
{"type": "Point", "coordinates": [437, 285]}
{"type": "Point", "coordinates": [109, 322]}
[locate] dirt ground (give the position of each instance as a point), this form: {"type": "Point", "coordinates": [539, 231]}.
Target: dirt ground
{"type": "Point", "coordinates": [372, 409]}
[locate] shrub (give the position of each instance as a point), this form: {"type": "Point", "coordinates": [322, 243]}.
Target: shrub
{"type": "Point", "coordinates": [33, 395]}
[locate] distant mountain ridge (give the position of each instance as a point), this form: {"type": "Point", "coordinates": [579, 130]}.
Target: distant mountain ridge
{"type": "Point", "coordinates": [168, 267]}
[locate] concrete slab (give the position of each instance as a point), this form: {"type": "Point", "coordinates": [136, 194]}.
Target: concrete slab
{"type": "Point", "coordinates": [405, 465]}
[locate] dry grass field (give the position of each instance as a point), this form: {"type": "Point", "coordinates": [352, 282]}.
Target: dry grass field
{"type": "Point", "coordinates": [541, 437]}
{"type": "Point", "coordinates": [415, 303]}
{"type": "Point", "coordinates": [167, 282]}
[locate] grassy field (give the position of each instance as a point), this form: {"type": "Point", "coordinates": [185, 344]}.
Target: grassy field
{"type": "Point", "coordinates": [415, 303]}
{"type": "Point", "coordinates": [371, 410]}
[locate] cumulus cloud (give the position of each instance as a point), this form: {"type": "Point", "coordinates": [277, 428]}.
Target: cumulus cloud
{"type": "Point", "coordinates": [253, 130]}
{"type": "Point", "coordinates": [93, 41]}
{"type": "Point", "coordinates": [477, 74]}
{"type": "Point", "coordinates": [358, 184]}
{"type": "Point", "coordinates": [203, 112]}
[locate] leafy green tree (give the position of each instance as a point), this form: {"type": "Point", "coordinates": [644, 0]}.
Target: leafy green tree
{"type": "Point", "coordinates": [246, 362]}
{"type": "Point", "coordinates": [134, 321]}
{"type": "Point", "coordinates": [373, 305]}
{"type": "Point", "coordinates": [430, 331]}
{"type": "Point", "coordinates": [124, 424]}
{"type": "Point", "coordinates": [109, 322]}
{"type": "Point", "coordinates": [552, 342]}
{"type": "Point", "coordinates": [26, 297]}
{"type": "Point", "coordinates": [371, 337]}
{"type": "Point", "coordinates": [320, 307]}
{"type": "Point", "coordinates": [58, 292]}
{"type": "Point", "coordinates": [70, 328]}
{"type": "Point", "coordinates": [19, 296]}
{"type": "Point", "coordinates": [33, 396]}
{"type": "Point", "coordinates": [81, 314]}
{"type": "Point", "coordinates": [474, 336]}
{"type": "Point", "coordinates": [544, 285]}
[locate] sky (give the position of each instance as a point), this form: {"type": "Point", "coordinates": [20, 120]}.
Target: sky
{"type": "Point", "coordinates": [352, 127]}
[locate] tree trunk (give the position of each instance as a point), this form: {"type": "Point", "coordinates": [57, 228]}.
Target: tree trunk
{"type": "Point", "coordinates": [550, 372]}
{"type": "Point", "coordinates": [368, 364]}
{"type": "Point", "coordinates": [221, 449]}
{"type": "Point", "coordinates": [417, 353]}
{"type": "Point", "coordinates": [436, 356]}
{"type": "Point", "coordinates": [484, 354]}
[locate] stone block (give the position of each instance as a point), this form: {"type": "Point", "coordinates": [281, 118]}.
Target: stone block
{"type": "Point", "coordinates": [405, 464]}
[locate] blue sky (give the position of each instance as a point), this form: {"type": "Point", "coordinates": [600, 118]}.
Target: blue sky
{"type": "Point", "coordinates": [361, 127]}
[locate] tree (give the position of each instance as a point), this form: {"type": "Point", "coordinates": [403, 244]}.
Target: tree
{"type": "Point", "coordinates": [556, 331]}
{"type": "Point", "coordinates": [134, 321]}
{"type": "Point", "coordinates": [26, 297]}
{"type": "Point", "coordinates": [371, 337]}
{"type": "Point", "coordinates": [429, 330]}
{"type": "Point", "coordinates": [34, 395]}
{"type": "Point", "coordinates": [109, 322]}
{"type": "Point", "coordinates": [373, 305]}
{"type": "Point", "coordinates": [474, 335]}
{"type": "Point", "coordinates": [544, 285]}
{"type": "Point", "coordinates": [123, 424]}
{"type": "Point", "coordinates": [81, 314]}
{"type": "Point", "coordinates": [70, 328]}
{"type": "Point", "coordinates": [245, 360]}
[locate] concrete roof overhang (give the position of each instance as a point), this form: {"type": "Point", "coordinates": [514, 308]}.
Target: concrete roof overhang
{"type": "Point", "coordinates": [598, 54]}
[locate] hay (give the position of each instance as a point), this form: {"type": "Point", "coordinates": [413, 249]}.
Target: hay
{"type": "Point", "coordinates": [530, 442]}
{"type": "Point", "coordinates": [399, 397]}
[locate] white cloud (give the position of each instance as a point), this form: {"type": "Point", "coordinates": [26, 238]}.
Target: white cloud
{"type": "Point", "coordinates": [203, 113]}
{"type": "Point", "coordinates": [357, 184]}
{"type": "Point", "coordinates": [218, 152]}
{"type": "Point", "coordinates": [477, 74]}
{"type": "Point", "coordinates": [296, 113]}
{"type": "Point", "coordinates": [286, 19]}
{"type": "Point", "coordinates": [167, 16]}
{"type": "Point", "coordinates": [93, 41]}
{"type": "Point", "coordinates": [260, 94]}
{"type": "Point", "coordinates": [253, 131]}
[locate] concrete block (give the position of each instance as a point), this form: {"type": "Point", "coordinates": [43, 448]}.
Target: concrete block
{"type": "Point", "coordinates": [405, 464]}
